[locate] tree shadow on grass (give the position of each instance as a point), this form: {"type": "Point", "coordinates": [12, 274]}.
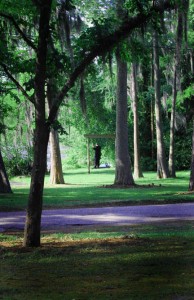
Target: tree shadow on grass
{"type": "Point", "coordinates": [123, 268]}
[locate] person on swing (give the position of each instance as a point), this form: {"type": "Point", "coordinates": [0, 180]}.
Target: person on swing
{"type": "Point", "coordinates": [97, 156]}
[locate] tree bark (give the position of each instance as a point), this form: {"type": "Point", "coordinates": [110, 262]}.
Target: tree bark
{"type": "Point", "coordinates": [171, 162]}
{"type": "Point", "coordinates": [162, 168]}
{"type": "Point", "coordinates": [34, 208]}
{"type": "Point", "coordinates": [123, 173]}
{"type": "Point", "coordinates": [29, 119]}
{"type": "Point", "coordinates": [152, 127]}
{"type": "Point", "coordinates": [176, 79]}
{"type": "Point", "coordinates": [191, 180]}
{"type": "Point", "coordinates": [137, 165]}
{"type": "Point", "coordinates": [4, 181]}
{"type": "Point", "coordinates": [56, 173]}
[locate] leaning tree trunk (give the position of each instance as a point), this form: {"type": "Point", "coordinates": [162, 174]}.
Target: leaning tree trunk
{"type": "Point", "coordinates": [4, 181]}
{"type": "Point", "coordinates": [162, 168]}
{"type": "Point", "coordinates": [56, 173]}
{"type": "Point", "coordinates": [123, 173]}
{"type": "Point", "coordinates": [137, 165]}
{"type": "Point", "coordinates": [34, 208]}
{"type": "Point", "coordinates": [191, 181]}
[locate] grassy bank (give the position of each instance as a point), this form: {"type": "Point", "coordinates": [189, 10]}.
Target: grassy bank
{"type": "Point", "coordinates": [139, 262]}
{"type": "Point", "coordinates": [82, 189]}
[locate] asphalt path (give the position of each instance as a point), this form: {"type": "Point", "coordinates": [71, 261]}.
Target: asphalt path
{"type": "Point", "coordinates": [120, 215]}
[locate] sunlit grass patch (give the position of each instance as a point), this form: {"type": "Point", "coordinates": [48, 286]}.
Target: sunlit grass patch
{"type": "Point", "coordinates": [83, 189]}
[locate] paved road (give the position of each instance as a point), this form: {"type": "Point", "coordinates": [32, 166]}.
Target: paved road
{"type": "Point", "coordinates": [101, 216]}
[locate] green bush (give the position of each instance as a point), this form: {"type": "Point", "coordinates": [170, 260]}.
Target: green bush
{"type": "Point", "coordinates": [18, 166]}
{"type": "Point", "coordinates": [17, 162]}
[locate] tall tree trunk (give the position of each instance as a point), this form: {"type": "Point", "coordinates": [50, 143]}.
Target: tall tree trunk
{"type": "Point", "coordinates": [29, 118]}
{"type": "Point", "coordinates": [34, 209]}
{"type": "Point", "coordinates": [4, 181]}
{"type": "Point", "coordinates": [162, 168]}
{"type": "Point", "coordinates": [123, 173]}
{"type": "Point", "coordinates": [152, 127]}
{"type": "Point", "coordinates": [176, 85]}
{"type": "Point", "coordinates": [171, 161]}
{"type": "Point", "coordinates": [191, 61]}
{"type": "Point", "coordinates": [56, 173]}
{"type": "Point", "coordinates": [152, 108]}
{"type": "Point", "coordinates": [137, 165]}
{"type": "Point", "coordinates": [191, 181]}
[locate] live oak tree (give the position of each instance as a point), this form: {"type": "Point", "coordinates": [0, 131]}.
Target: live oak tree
{"type": "Point", "coordinates": [43, 123]}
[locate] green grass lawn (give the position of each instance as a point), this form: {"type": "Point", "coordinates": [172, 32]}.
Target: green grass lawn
{"type": "Point", "coordinates": [142, 262]}
{"type": "Point", "coordinates": [83, 189]}
{"type": "Point", "coordinates": [127, 263]}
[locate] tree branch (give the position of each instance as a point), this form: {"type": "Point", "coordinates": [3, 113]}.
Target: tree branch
{"type": "Point", "coordinates": [25, 94]}
{"type": "Point", "coordinates": [25, 38]}
{"type": "Point", "coordinates": [106, 44]}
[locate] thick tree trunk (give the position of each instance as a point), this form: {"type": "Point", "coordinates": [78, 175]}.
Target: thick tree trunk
{"type": "Point", "coordinates": [34, 209]}
{"type": "Point", "coordinates": [191, 181]}
{"type": "Point", "coordinates": [162, 168]}
{"type": "Point", "coordinates": [56, 173]}
{"type": "Point", "coordinates": [123, 173]}
{"type": "Point", "coordinates": [137, 165]}
{"type": "Point", "coordinates": [4, 181]}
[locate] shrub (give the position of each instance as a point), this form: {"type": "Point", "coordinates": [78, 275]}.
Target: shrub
{"type": "Point", "coordinates": [17, 162]}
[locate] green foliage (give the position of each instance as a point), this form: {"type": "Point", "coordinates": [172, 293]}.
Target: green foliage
{"type": "Point", "coordinates": [76, 152]}
{"type": "Point", "coordinates": [18, 162]}
{"type": "Point", "coordinates": [187, 93]}
{"type": "Point", "coordinates": [183, 146]}
{"type": "Point", "coordinates": [58, 127]}
{"type": "Point", "coordinates": [135, 7]}
{"type": "Point", "coordinates": [18, 166]}
{"type": "Point", "coordinates": [99, 19]}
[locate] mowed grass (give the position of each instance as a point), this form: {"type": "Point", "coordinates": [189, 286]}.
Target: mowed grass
{"type": "Point", "coordinates": [127, 263]}
{"type": "Point", "coordinates": [83, 189]}
{"type": "Point", "coordinates": [142, 262]}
